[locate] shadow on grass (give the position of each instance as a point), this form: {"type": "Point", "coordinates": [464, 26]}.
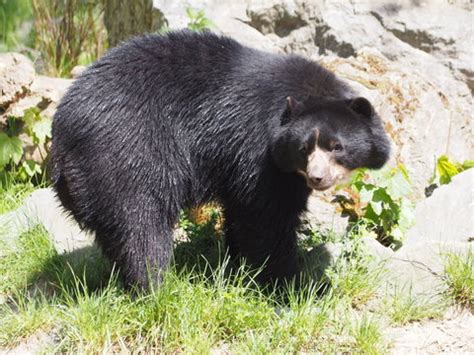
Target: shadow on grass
{"type": "Point", "coordinates": [197, 256]}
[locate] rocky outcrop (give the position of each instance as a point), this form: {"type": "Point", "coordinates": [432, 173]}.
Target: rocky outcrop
{"type": "Point", "coordinates": [21, 88]}
{"type": "Point", "coordinates": [16, 76]}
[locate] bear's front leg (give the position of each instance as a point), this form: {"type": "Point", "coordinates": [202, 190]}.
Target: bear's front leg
{"type": "Point", "coordinates": [263, 241]}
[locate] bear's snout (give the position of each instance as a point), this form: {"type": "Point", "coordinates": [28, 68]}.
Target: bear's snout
{"type": "Point", "coordinates": [322, 171]}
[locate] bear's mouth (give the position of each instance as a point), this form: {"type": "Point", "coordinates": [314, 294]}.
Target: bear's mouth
{"type": "Point", "coordinates": [319, 187]}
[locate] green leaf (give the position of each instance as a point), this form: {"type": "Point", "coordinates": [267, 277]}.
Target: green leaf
{"type": "Point", "coordinates": [366, 193]}
{"type": "Point", "coordinates": [398, 186]}
{"type": "Point", "coordinates": [191, 13]}
{"type": "Point", "coordinates": [11, 149]}
{"type": "Point", "coordinates": [446, 169]}
{"type": "Point", "coordinates": [377, 207]}
{"type": "Point", "coordinates": [31, 167]}
{"type": "Point", "coordinates": [467, 164]}
{"type": "Point", "coordinates": [41, 130]}
{"type": "Point", "coordinates": [37, 126]}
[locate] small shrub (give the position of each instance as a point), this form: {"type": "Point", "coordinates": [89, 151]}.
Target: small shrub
{"type": "Point", "coordinates": [198, 20]}
{"type": "Point", "coordinates": [379, 203]}
{"type": "Point", "coordinates": [68, 33]}
{"type": "Point", "coordinates": [14, 163]}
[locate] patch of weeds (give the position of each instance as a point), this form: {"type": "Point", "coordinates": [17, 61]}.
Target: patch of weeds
{"type": "Point", "coordinates": [309, 237]}
{"type": "Point", "coordinates": [355, 276]}
{"type": "Point", "coordinates": [404, 307]}
{"type": "Point", "coordinates": [367, 335]}
{"type": "Point", "coordinates": [198, 20]}
{"type": "Point", "coordinates": [459, 277]}
{"type": "Point", "coordinates": [201, 242]}
{"type": "Point", "coordinates": [68, 33]}
{"type": "Point", "coordinates": [14, 162]}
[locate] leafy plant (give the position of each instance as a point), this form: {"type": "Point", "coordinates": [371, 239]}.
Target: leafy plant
{"type": "Point", "coordinates": [198, 20]}
{"type": "Point", "coordinates": [445, 170]}
{"type": "Point", "coordinates": [380, 203]}
{"type": "Point", "coordinates": [33, 126]}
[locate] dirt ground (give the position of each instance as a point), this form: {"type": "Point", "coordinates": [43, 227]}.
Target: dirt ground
{"type": "Point", "coordinates": [452, 334]}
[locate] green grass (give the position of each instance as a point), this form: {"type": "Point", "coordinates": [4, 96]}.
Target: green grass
{"type": "Point", "coordinates": [367, 335]}
{"type": "Point", "coordinates": [83, 307]}
{"type": "Point", "coordinates": [459, 277]}
{"type": "Point", "coordinates": [13, 194]}
{"type": "Point", "coordinates": [205, 302]}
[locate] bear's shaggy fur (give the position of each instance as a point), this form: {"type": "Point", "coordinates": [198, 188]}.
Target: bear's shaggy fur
{"type": "Point", "coordinates": [165, 122]}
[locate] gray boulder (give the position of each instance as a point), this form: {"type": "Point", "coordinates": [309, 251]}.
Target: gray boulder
{"type": "Point", "coordinates": [42, 207]}
{"type": "Point", "coordinates": [447, 216]}
{"type": "Point", "coordinates": [16, 75]}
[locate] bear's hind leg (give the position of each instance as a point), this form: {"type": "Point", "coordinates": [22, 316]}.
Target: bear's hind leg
{"type": "Point", "coordinates": [141, 245]}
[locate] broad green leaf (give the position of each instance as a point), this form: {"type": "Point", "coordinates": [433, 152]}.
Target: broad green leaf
{"type": "Point", "coordinates": [446, 169]}
{"type": "Point", "coordinates": [41, 130]}
{"type": "Point", "coordinates": [37, 126]}
{"type": "Point", "coordinates": [11, 149]}
{"type": "Point", "coordinates": [32, 114]}
{"type": "Point", "coordinates": [380, 194]}
{"type": "Point", "coordinates": [31, 167]}
{"type": "Point", "coordinates": [467, 164]}
{"type": "Point", "coordinates": [398, 186]}
{"type": "Point", "coordinates": [377, 207]}
{"type": "Point", "coordinates": [366, 193]}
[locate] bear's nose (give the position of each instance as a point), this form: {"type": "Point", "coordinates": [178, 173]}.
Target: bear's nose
{"type": "Point", "coordinates": [315, 180]}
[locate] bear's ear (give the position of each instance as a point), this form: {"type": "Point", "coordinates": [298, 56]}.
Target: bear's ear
{"type": "Point", "coordinates": [361, 106]}
{"type": "Point", "coordinates": [293, 107]}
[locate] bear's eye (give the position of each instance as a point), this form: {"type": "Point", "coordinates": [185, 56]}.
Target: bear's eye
{"type": "Point", "coordinates": [336, 147]}
{"type": "Point", "coordinates": [302, 149]}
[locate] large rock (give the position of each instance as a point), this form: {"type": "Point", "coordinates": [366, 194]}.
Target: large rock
{"type": "Point", "coordinates": [43, 93]}
{"type": "Point", "coordinates": [21, 89]}
{"type": "Point", "coordinates": [438, 30]}
{"type": "Point", "coordinates": [447, 216]}
{"type": "Point", "coordinates": [42, 207]}
{"type": "Point", "coordinates": [16, 75]}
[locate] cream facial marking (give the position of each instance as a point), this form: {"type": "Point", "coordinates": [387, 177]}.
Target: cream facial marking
{"type": "Point", "coordinates": [322, 170]}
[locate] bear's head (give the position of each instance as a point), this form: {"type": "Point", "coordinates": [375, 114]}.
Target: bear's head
{"type": "Point", "coordinates": [324, 140]}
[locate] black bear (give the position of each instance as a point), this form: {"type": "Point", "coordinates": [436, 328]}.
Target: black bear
{"type": "Point", "coordinates": [165, 122]}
